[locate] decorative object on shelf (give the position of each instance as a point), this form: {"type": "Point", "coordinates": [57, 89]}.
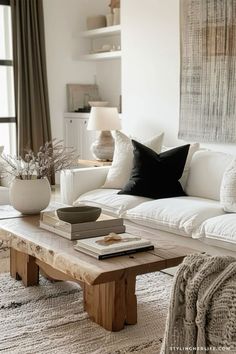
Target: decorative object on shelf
{"type": "Point", "coordinates": [75, 215]}
{"type": "Point", "coordinates": [104, 119]}
{"type": "Point", "coordinates": [30, 190]}
{"type": "Point", "coordinates": [114, 4]}
{"type": "Point", "coordinates": [94, 22]}
{"type": "Point", "coordinates": [106, 48]}
{"type": "Point", "coordinates": [98, 103]}
{"type": "Point", "coordinates": [208, 71]}
{"type": "Point", "coordinates": [116, 16]}
{"type": "Point", "coordinates": [105, 43]}
{"type": "Point", "coordinates": [103, 49]}
{"type": "Point", "coordinates": [76, 96]}
{"type": "Point", "coordinates": [109, 19]}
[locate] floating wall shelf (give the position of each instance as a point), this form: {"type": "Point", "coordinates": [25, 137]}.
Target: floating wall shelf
{"type": "Point", "coordinates": [102, 32]}
{"type": "Point", "coordinates": [102, 56]}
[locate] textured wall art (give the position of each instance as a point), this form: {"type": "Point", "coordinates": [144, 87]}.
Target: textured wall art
{"type": "Point", "coordinates": [208, 70]}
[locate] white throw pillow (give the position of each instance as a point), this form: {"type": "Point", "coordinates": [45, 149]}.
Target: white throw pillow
{"type": "Point", "coordinates": [121, 167]}
{"type": "Point", "coordinates": [193, 148]}
{"type": "Point", "coordinates": [206, 173]}
{"type": "Point", "coordinates": [228, 188]}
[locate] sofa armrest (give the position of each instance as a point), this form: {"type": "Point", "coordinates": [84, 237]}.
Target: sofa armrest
{"type": "Point", "coordinates": [5, 179]}
{"type": "Point", "coordinates": [76, 182]}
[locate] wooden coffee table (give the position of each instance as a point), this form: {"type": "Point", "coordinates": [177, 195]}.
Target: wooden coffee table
{"type": "Point", "coordinates": [108, 285]}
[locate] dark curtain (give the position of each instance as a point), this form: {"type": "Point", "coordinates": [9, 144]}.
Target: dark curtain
{"type": "Point", "coordinates": [31, 89]}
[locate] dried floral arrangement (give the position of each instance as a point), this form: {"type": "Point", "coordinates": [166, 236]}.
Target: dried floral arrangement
{"type": "Point", "coordinates": [114, 4]}
{"type": "Point", "coordinates": [52, 157]}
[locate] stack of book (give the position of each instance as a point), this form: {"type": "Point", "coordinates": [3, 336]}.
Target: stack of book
{"type": "Point", "coordinates": [102, 226]}
{"type": "Point", "coordinates": [113, 246]}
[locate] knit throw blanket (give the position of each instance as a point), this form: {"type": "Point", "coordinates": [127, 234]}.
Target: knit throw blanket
{"type": "Point", "coordinates": [202, 311]}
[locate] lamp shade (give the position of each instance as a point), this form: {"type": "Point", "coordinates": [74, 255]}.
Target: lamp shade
{"type": "Point", "coordinates": [104, 118]}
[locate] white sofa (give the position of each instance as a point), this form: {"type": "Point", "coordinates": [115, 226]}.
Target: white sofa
{"type": "Point", "coordinates": [196, 220]}
{"type": "Point", "coordinates": [4, 195]}
{"type": "Point", "coordinates": [4, 190]}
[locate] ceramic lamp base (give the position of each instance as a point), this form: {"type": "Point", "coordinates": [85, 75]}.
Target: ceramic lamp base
{"type": "Point", "coordinates": [103, 147]}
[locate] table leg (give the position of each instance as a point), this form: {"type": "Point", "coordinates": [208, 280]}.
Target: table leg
{"type": "Point", "coordinates": [113, 304]}
{"type": "Point", "coordinates": [23, 267]}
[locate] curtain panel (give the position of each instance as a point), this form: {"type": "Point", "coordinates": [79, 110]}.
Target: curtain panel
{"type": "Point", "coordinates": [31, 89]}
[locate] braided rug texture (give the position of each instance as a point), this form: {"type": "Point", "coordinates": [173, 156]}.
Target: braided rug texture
{"type": "Point", "coordinates": [49, 318]}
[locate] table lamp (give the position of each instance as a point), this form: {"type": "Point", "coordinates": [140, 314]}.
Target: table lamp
{"type": "Point", "coordinates": [104, 119]}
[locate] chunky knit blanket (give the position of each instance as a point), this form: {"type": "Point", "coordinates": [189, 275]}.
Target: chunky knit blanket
{"type": "Point", "coordinates": [202, 311]}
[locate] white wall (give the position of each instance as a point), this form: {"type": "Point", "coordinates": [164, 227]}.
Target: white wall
{"type": "Point", "coordinates": [150, 69]}
{"type": "Point", "coordinates": [109, 80]}
{"type": "Point", "coordinates": [64, 20]}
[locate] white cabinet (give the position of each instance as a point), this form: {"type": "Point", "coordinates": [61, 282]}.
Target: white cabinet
{"type": "Point", "coordinates": [76, 134]}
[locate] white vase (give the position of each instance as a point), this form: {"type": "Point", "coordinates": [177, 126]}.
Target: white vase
{"type": "Point", "coordinates": [116, 16]}
{"type": "Point", "coordinates": [30, 196]}
{"type": "Point", "coordinates": [109, 19]}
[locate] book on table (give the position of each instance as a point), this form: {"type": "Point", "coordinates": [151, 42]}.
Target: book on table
{"type": "Point", "coordinates": [102, 226]}
{"type": "Point", "coordinates": [113, 245]}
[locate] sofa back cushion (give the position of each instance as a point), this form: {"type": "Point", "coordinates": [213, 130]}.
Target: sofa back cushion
{"type": "Point", "coordinates": [206, 173]}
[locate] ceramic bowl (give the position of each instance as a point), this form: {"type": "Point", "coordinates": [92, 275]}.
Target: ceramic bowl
{"type": "Point", "coordinates": [74, 215]}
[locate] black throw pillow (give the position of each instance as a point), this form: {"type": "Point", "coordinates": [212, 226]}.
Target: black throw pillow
{"type": "Point", "coordinates": [156, 175]}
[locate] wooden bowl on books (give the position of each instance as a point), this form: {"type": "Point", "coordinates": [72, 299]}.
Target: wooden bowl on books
{"type": "Point", "coordinates": [75, 215]}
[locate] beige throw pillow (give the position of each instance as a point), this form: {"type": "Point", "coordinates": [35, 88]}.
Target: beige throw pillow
{"type": "Point", "coordinates": [228, 188]}
{"type": "Point", "coordinates": [122, 164]}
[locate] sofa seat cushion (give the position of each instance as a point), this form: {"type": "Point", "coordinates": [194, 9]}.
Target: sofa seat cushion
{"type": "Point", "coordinates": [221, 228]}
{"type": "Point", "coordinates": [110, 202]}
{"type": "Point", "coordinates": [4, 195]}
{"type": "Point", "coordinates": [180, 215]}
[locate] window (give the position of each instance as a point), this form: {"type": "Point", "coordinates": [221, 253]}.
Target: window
{"type": "Point", "coordinates": [7, 107]}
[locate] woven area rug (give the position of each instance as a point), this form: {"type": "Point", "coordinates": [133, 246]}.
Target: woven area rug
{"type": "Point", "coordinates": [49, 318]}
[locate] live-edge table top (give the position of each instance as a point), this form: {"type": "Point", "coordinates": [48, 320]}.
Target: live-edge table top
{"type": "Point", "coordinates": [25, 235]}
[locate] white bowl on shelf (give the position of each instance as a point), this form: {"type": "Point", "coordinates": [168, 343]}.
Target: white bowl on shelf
{"type": "Point", "coordinates": [98, 103]}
